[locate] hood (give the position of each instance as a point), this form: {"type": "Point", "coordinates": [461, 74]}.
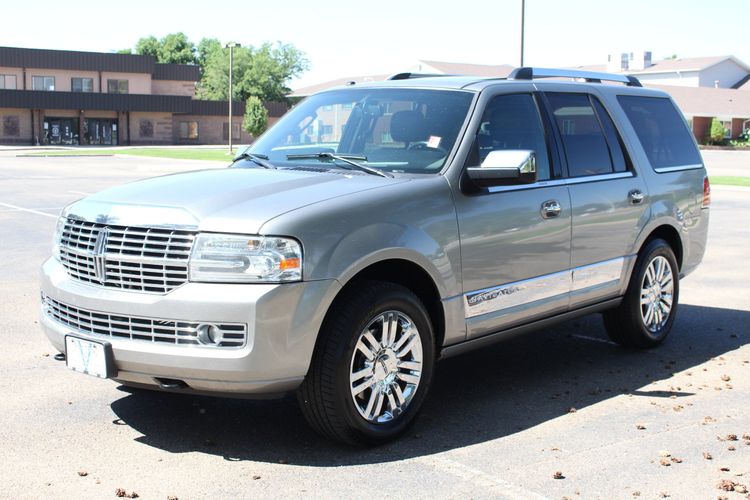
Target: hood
{"type": "Point", "coordinates": [235, 200]}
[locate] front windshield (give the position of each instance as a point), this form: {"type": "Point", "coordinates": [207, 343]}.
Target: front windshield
{"type": "Point", "coordinates": [396, 130]}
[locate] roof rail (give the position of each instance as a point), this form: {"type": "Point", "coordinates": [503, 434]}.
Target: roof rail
{"type": "Point", "coordinates": [527, 73]}
{"type": "Point", "coordinates": [409, 76]}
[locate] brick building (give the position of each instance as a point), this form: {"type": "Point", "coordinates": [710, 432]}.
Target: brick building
{"type": "Point", "coordinates": [89, 98]}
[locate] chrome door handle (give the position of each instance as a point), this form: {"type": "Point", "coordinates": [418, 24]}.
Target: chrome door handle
{"type": "Point", "coordinates": [551, 208]}
{"type": "Point", "coordinates": [636, 196]}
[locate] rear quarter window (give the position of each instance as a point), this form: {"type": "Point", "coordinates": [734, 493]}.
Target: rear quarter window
{"type": "Point", "coordinates": [661, 130]}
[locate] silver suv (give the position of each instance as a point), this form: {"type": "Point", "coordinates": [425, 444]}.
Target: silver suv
{"type": "Point", "coordinates": [378, 228]}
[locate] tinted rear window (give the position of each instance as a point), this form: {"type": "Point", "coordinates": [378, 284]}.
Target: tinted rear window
{"type": "Point", "coordinates": [661, 130]}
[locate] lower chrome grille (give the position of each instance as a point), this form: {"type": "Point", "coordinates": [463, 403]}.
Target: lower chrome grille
{"type": "Point", "coordinates": [139, 328]}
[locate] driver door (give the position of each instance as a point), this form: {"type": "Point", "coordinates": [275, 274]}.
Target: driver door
{"type": "Point", "coordinates": [515, 239]}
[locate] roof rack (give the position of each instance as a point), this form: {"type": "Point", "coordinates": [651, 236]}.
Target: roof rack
{"type": "Point", "coordinates": [527, 73]}
{"type": "Point", "coordinates": [409, 76]}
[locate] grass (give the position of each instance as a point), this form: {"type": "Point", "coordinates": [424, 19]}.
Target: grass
{"type": "Point", "coordinates": [730, 180]}
{"type": "Point", "coordinates": [176, 153]}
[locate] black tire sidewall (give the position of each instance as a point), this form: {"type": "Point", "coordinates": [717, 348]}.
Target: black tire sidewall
{"type": "Point", "coordinates": [654, 249]}
{"type": "Point", "coordinates": [391, 298]}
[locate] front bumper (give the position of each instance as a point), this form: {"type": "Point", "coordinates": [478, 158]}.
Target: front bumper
{"type": "Point", "coordinates": [282, 325]}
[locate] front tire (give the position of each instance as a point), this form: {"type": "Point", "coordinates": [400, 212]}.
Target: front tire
{"type": "Point", "coordinates": [647, 312]}
{"type": "Point", "coordinates": [372, 367]}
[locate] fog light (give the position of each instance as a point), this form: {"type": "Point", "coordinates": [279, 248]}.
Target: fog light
{"type": "Point", "coordinates": [209, 335]}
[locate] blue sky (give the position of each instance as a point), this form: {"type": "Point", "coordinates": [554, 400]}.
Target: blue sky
{"type": "Point", "coordinates": [349, 37]}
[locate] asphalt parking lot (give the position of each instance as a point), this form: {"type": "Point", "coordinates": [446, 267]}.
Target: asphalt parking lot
{"type": "Point", "coordinates": [671, 422]}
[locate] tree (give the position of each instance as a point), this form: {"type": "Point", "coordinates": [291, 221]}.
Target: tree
{"type": "Point", "coordinates": [262, 72]}
{"type": "Point", "coordinates": [716, 136]}
{"type": "Point", "coordinates": [147, 46]}
{"type": "Point", "coordinates": [175, 48]}
{"type": "Point", "coordinates": [256, 117]}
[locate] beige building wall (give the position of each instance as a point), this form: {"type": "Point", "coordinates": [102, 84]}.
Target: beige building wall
{"type": "Point", "coordinates": [62, 77]}
{"type": "Point", "coordinates": [15, 126]}
{"type": "Point", "coordinates": [138, 83]}
{"type": "Point", "coordinates": [17, 72]}
{"type": "Point", "coordinates": [173, 87]}
{"type": "Point", "coordinates": [210, 130]}
{"type": "Point", "coordinates": [149, 128]}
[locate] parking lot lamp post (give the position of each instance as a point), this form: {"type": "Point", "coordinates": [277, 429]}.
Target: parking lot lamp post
{"type": "Point", "coordinates": [230, 46]}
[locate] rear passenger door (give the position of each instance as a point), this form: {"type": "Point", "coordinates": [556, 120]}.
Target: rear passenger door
{"type": "Point", "coordinates": [609, 200]}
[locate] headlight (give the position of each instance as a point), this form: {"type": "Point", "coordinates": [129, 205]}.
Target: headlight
{"type": "Point", "coordinates": [231, 258]}
{"type": "Point", "coordinates": [58, 236]}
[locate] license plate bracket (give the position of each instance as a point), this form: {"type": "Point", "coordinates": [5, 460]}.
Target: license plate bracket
{"type": "Point", "coordinates": [90, 357]}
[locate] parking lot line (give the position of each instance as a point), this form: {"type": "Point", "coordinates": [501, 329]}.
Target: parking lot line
{"type": "Point", "coordinates": [29, 210]}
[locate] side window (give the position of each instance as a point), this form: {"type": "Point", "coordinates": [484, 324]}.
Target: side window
{"type": "Point", "coordinates": [583, 139]}
{"type": "Point", "coordinates": [661, 131]}
{"type": "Point", "coordinates": [512, 122]}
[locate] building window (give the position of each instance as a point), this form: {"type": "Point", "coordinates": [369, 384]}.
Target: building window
{"type": "Point", "coordinates": [189, 130]}
{"type": "Point", "coordinates": [326, 129]}
{"type": "Point", "coordinates": [43, 83]}
{"type": "Point", "coordinates": [117, 86]}
{"type": "Point", "coordinates": [8, 82]}
{"type": "Point", "coordinates": [235, 131]}
{"type": "Point", "coordinates": [727, 128]}
{"type": "Point", "coordinates": [82, 84]}
{"type": "Point", "coordinates": [146, 128]}
{"type": "Point", "coordinates": [11, 126]}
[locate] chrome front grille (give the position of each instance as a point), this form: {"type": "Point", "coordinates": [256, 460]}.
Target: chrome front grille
{"type": "Point", "coordinates": [130, 258]}
{"type": "Point", "coordinates": [138, 328]}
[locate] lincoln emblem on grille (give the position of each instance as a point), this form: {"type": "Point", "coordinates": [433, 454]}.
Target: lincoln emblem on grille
{"type": "Point", "coordinates": [99, 255]}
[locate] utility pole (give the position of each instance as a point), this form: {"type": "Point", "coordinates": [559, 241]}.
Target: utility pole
{"type": "Point", "coordinates": [523, 14]}
{"type": "Point", "coordinates": [231, 46]}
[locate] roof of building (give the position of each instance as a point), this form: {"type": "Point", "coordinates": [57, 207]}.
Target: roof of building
{"type": "Point", "coordinates": [743, 84]}
{"type": "Point", "coordinates": [338, 82]}
{"type": "Point", "coordinates": [446, 68]}
{"type": "Point", "coordinates": [709, 101]}
{"type": "Point", "coordinates": [673, 65]}
{"type": "Point", "coordinates": [453, 68]}
{"type": "Point", "coordinates": [18, 57]}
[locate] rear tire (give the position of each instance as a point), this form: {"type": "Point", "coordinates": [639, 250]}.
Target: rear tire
{"type": "Point", "coordinates": [647, 312]}
{"type": "Point", "coordinates": [372, 367]}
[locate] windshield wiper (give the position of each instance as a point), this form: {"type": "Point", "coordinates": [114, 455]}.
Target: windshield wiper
{"type": "Point", "coordinates": [348, 159]}
{"type": "Point", "coordinates": [260, 160]}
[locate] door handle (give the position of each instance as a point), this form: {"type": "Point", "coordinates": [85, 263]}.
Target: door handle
{"type": "Point", "coordinates": [636, 196]}
{"type": "Point", "coordinates": [551, 208]}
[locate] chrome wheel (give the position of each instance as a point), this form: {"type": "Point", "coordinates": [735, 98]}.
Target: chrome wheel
{"type": "Point", "coordinates": [657, 294]}
{"type": "Point", "coordinates": [386, 367]}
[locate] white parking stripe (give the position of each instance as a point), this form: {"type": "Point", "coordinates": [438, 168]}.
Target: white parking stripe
{"type": "Point", "coordinates": [8, 205]}
{"type": "Point", "coordinates": [593, 339]}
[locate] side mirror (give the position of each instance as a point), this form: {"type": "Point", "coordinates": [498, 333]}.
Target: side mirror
{"type": "Point", "coordinates": [505, 168]}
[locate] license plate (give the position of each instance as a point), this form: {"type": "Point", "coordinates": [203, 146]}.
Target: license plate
{"type": "Point", "coordinates": [87, 357]}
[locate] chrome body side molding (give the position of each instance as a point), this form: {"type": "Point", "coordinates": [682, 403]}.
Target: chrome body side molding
{"type": "Point", "coordinates": [502, 297]}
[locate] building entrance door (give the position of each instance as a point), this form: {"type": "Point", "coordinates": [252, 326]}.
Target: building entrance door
{"type": "Point", "coordinates": [60, 130]}
{"type": "Point", "coordinates": [100, 131]}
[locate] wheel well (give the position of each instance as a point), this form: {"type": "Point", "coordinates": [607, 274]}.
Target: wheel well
{"type": "Point", "coordinates": [671, 236]}
{"type": "Point", "coordinates": [413, 277]}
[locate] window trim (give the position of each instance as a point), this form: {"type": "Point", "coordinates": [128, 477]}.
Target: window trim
{"type": "Point", "coordinates": [555, 167]}
{"type": "Point", "coordinates": [559, 139]}
{"type": "Point", "coordinates": [118, 80]}
{"type": "Point", "coordinates": [44, 78]}
{"type": "Point", "coordinates": [187, 136]}
{"type": "Point", "coordinates": [82, 78]}
{"type": "Point", "coordinates": [5, 76]}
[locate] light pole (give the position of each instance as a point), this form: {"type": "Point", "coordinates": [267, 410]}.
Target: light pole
{"type": "Point", "coordinates": [230, 46]}
{"type": "Point", "coordinates": [523, 13]}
